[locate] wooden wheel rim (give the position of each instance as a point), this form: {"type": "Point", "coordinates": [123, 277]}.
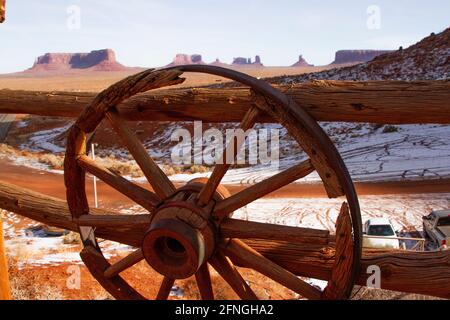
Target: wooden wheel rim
{"type": "Point", "coordinates": [328, 162]}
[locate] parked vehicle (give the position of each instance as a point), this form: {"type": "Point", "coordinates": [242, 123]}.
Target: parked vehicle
{"type": "Point", "coordinates": [436, 227]}
{"type": "Point", "coordinates": [45, 231]}
{"type": "Point", "coordinates": [379, 233]}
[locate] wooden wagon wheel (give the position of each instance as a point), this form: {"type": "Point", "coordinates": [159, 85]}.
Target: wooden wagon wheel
{"type": "Point", "coordinates": [189, 228]}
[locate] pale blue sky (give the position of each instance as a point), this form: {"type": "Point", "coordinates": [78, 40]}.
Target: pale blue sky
{"type": "Point", "coordinates": [149, 33]}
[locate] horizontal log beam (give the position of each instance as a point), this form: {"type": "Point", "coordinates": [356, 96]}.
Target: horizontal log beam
{"type": "Point", "coordinates": [242, 229]}
{"type": "Point", "coordinates": [55, 212]}
{"type": "Point", "coordinates": [406, 271]}
{"type": "Point", "coordinates": [401, 270]}
{"type": "Point", "coordinates": [393, 102]}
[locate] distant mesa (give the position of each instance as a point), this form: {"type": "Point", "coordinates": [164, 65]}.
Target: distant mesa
{"type": "Point", "coordinates": [186, 59]}
{"type": "Point", "coordinates": [181, 59]}
{"type": "Point", "coordinates": [302, 62]}
{"type": "Point", "coordinates": [219, 63]}
{"type": "Point", "coordinates": [241, 61]}
{"type": "Point", "coordinates": [357, 56]}
{"type": "Point", "coordinates": [97, 60]}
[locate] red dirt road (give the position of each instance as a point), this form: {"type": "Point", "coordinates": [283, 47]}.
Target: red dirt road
{"type": "Point", "coordinates": [53, 184]}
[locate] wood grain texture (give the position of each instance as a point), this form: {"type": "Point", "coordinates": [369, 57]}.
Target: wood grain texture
{"type": "Point", "coordinates": [141, 196]}
{"type": "Point", "coordinates": [242, 229]}
{"type": "Point", "coordinates": [390, 102]}
{"type": "Point", "coordinates": [248, 257]}
{"type": "Point", "coordinates": [228, 155]}
{"type": "Point", "coordinates": [165, 288]}
{"type": "Point", "coordinates": [89, 119]}
{"type": "Point", "coordinates": [125, 263]}
{"type": "Point", "coordinates": [163, 187]}
{"type": "Point", "coordinates": [97, 264]}
{"type": "Point", "coordinates": [5, 289]}
{"type": "Point", "coordinates": [55, 212]}
{"type": "Point", "coordinates": [2, 10]}
{"type": "Point", "coordinates": [407, 271]}
{"type": "Point", "coordinates": [116, 220]}
{"type": "Point", "coordinates": [261, 189]}
{"type": "Point", "coordinates": [204, 285]}
{"type": "Point", "coordinates": [109, 98]}
{"type": "Point", "coordinates": [229, 273]}
{"type": "Point", "coordinates": [337, 288]}
{"type": "Point", "coordinates": [312, 140]}
{"type": "Point", "coordinates": [74, 175]}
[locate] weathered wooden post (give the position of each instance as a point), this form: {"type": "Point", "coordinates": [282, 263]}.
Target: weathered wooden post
{"type": "Point", "coordinates": [5, 291]}
{"type": "Point", "coordinates": [2, 10]}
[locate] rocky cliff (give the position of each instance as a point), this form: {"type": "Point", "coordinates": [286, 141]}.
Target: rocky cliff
{"type": "Point", "coordinates": [97, 60]}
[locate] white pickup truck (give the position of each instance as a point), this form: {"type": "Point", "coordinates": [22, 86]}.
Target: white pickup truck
{"type": "Point", "coordinates": [436, 227]}
{"type": "Point", "coordinates": [380, 233]}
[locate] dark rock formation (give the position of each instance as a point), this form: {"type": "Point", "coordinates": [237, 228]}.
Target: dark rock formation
{"type": "Point", "coordinates": [302, 62]}
{"type": "Point", "coordinates": [219, 63]}
{"type": "Point", "coordinates": [181, 59]}
{"type": "Point", "coordinates": [240, 61]}
{"type": "Point", "coordinates": [357, 56]}
{"type": "Point", "coordinates": [97, 60]}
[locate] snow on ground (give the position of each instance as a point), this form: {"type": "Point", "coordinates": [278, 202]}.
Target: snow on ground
{"type": "Point", "coordinates": [371, 152]}
{"type": "Point", "coordinates": [33, 251]}
{"type": "Point", "coordinates": [32, 163]}
{"type": "Point", "coordinates": [405, 211]}
{"type": "Point", "coordinates": [30, 249]}
{"type": "Point", "coordinates": [44, 140]}
{"type": "Point", "coordinates": [411, 152]}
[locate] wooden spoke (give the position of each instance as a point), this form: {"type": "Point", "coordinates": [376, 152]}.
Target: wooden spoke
{"type": "Point", "coordinates": [229, 273]}
{"type": "Point", "coordinates": [338, 288]}
{"type": "Point", "coordinates": [122, 221]}
{"type": "Point", "coordinates": [241, 229]}
{"type": "Point", "coordinates": [160, 182]}
{"type": "Point", "coordinates": [203, 279]}
{"type": "Point", "coordinates": [250, 258]}
{"type": "Point", "coordinates": [141, 196]}
{"type": "Point", "coordinates": [125, 263]}
{"type": "Point", "coordinates": [219, 171]}
{"type": "Point", "coordinates": [250, 194]}
{"type": "Point", "coordinates": [116, 286]}
{"type": "Point", "coordinates": [164, 290]}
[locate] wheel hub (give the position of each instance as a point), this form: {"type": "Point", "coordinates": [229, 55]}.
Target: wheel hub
{"type": "Point", "coordinates": [182, 235]}
{"type": "Point", "coordinates": [174, 248]}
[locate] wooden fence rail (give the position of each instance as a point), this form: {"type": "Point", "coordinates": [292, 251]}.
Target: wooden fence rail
{"type": "Point", "coordinates": [389, 102]}
{"type": "Point", "coordinates": [406, 271]}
